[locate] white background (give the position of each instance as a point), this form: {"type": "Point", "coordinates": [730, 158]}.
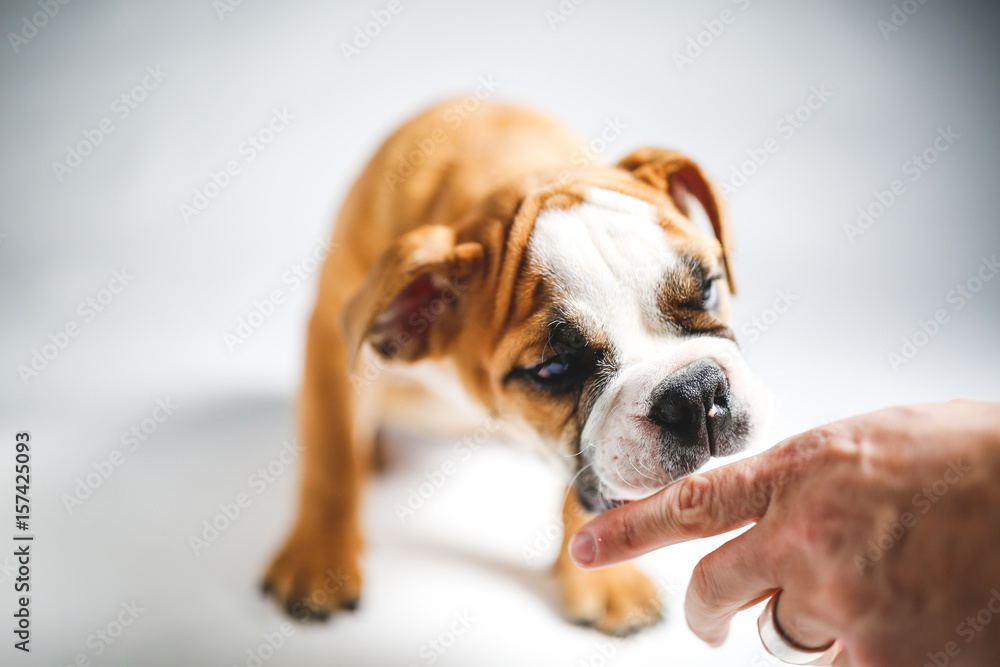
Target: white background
{"type": "Point", "coordinates": [162, 336]}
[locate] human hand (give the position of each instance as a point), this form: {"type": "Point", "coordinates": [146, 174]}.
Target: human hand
{"type": "Point", "coordinates": [882, 531]}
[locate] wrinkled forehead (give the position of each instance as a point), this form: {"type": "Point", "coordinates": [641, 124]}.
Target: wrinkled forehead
{"type": "Point", "coordinates": [604, 259]}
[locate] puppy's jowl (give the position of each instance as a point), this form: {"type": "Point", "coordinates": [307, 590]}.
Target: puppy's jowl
{"type": "Point", "coordinates": [579, 307]}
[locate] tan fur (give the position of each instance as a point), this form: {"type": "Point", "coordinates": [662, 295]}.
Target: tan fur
{"type": "Point", "coordinates": [463, 216]}
{"type": "Point", "coordinates": [616, 600]}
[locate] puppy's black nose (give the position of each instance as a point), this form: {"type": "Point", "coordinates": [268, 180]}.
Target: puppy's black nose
{"type": "Point", "coordinates": [692, 404]}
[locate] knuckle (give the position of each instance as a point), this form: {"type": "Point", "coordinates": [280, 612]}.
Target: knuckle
{"type": "Point", "coordinates": [815, 444]}
{"type": "Point", "coordinates": [695, 492]}
{"type": "Point", "coordinates": [709, 502]}
{"type": "Point", "coordinates": [637, 531]}
{"type": "Point", "coordinates": [695, 501]}
{"type": "Point", "coordinates": [819, 449]}
{"type": "Point", "coordinates": [631, 535]}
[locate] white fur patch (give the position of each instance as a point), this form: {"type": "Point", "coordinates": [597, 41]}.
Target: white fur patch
{"type": "Point", "coordinates": [606, 259]}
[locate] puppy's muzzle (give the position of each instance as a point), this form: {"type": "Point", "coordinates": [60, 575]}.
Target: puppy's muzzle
{"type": "Point", "coordinates": [692, 409]}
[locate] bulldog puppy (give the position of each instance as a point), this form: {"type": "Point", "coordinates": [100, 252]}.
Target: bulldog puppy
{"type": "Point", "coordinates": [574, 302]}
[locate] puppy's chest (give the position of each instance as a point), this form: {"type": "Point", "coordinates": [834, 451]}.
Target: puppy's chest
{"type": "Point", "coordinates": [428, 396]}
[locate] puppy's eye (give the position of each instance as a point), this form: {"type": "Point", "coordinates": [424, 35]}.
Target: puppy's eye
{"type": "Point", "coordinates": [552, 369]}
{"type": "Point", "coordinates": [710, 295]}
{"type": "Point", "coordinates": [562, 372]}
{"type": "Point", "coordinates": [570, 361]}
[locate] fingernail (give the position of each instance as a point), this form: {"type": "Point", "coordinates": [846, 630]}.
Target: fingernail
{"type": "Point", "coordinates": [582, 548]}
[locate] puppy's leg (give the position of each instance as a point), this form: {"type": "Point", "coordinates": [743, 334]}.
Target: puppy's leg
{"type": "Point", "coordinates": [617, 600]}
{"type": "Point", "coordinates": [317, 570]}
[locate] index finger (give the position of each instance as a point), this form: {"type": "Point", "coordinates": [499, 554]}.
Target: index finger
{"type": "Point", "coordinates": [701, 505]}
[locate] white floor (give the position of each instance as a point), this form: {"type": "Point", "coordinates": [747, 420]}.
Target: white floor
{"type": "Point", "coordinates": [470, 550]}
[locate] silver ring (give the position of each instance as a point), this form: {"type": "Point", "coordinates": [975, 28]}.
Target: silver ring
{"type": "Point", "coordinates": [781, 647]}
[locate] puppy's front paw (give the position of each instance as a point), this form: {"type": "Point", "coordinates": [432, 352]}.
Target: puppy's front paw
{"type": "Point", "coordinates": [617, 600]}
{"type": "Point", "coordinates": [313, 575]}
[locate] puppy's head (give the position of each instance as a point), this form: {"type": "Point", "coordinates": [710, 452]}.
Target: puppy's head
{"type": "Point", "coordinates": [591, 312]}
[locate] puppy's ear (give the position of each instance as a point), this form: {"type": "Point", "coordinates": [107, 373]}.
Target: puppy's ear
{"type": "Point", "coordinates": [677, 175]}
{"type": "Point", "coordinates": [407, 305]}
